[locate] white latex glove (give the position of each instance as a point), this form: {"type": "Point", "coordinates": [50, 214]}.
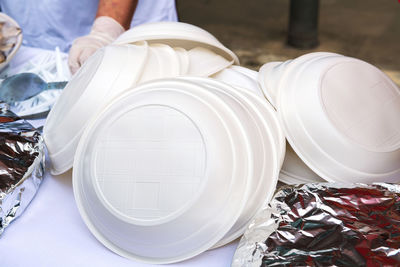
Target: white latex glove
{"type": "Point", "coordinates": [104, 31]}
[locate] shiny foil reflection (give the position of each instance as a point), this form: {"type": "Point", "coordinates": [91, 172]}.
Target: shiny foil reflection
{"type": "Point", "coordinates": [326, 225]}
{"type": "Point", "coordinates": [21, 165]}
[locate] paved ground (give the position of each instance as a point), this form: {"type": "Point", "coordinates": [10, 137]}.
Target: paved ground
{"type": "Point", "coordinates": [256, 30]}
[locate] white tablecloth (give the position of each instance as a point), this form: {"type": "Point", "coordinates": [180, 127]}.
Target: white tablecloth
{"type": "Point", "coordinates": [51, 233]}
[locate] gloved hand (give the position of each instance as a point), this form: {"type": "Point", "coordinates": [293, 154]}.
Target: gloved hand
{"type": "Point", "coordinates": [104, 31]}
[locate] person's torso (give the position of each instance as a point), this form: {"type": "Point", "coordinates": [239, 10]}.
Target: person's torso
{"type": "Point", "coordinates": [50, 23]}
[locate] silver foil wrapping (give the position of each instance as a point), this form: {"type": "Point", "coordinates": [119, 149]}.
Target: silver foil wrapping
{"type": "Point", "coordinates": [325, 225]}
{"type": "Point", "coordinates": [21, 165]}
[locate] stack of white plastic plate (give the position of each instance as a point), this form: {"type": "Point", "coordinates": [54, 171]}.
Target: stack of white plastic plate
{"type": "Point", "coordinates": [174, 167]}
{"type": "Point", "coordinates": [340, 116]}
{"type": "Point", "coordinates": [206, 54]}
{"type": "Point", "coordinates": [131, 60]}
{"type": "Point", "coordinates": [176, 34]}
{"type": "Point", "coordinates": [246, 80]}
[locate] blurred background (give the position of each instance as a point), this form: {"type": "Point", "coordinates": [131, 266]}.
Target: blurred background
{"type": "Point", "coordinates": [257, 30]}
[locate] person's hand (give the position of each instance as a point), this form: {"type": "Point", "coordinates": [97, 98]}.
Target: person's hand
{"type": "Point", "coordinates": [104, 31]}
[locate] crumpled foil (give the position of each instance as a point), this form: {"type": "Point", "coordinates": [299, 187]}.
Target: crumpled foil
{"type": "Point", "coordinates": [325, 225]}
{"type": "Point", "coordinates": [21, 165]}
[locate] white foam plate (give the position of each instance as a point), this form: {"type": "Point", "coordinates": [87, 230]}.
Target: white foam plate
{"type": "Point", "coordinates": [252, 74]}
{"type": "Point", "coordinates": [264, 149]}
{"type": "Point", "coordinates": [168, 59]}
{"type": "Point", "coordinates": [204, 62]}
{"type": "Point", "coordinates": [339, 115]}
{"type": "Point", "coordinates": [237, 78]}
{"type": "Point", "coordinates": [161, 62]}
{"type": "Point", "coordinates": [295, 171]}
{"type": "Point", "coordinates": [162, 173]}
{"type": "Point", "coordinates": [176, 34]}
{"type": "Point", "coordinates": [105, 75]}
{"type": "Point", "coordinates": [268, 81]}
{"type": "Point", "coordinates": [270, 117]}
{"type": "Point", "coordinates": [183, 60]}
{"type": "Point", "coordinates": [153, 68]}
{"type": "Point", "coordinates": [270, 74]}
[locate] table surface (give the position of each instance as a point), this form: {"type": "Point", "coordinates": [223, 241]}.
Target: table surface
{"type": "Point", "coordinates": [51, 233]}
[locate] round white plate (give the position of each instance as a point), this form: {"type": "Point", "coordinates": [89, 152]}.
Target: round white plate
{"type": "Point", "coordinates": [252, 74]}
{"type": "Point", "coordinates": [338, 114]}
{"type": "Point", "coordinates": [204, 62]}
{"type": "Point", "coordinates": [267, 79]}
{"type": "Point", "coordinates": [272, 74]}
{"type": "Point", "coordinates": [159, 174]}
{"type": "Point", "coordinates": [295, 171]}
{"type": "Point", "coordinates": [183, 60]}
{"type": "Point", "coordinates": [106, 74]}
{"type": "Point", "coordinates": [270, 117]}
{"type": "Point", "coordinates": [168, 59]}
{"type": "Point", "coordinates": [234, 77]}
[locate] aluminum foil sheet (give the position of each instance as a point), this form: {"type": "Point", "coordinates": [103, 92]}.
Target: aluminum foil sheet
{"type": "Point", "coordinates": [325, 225]}
{"type": "Point", "coordinates": [21, 165]}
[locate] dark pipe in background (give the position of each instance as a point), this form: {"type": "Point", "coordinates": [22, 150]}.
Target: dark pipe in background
{"type": "Point", "coordinates": [303, 24]}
